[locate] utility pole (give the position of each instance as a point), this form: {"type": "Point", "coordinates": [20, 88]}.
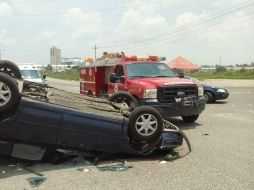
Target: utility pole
{"type": "Point", "coordinates": [220, 60]}
{"type": "Point", "coordinates": [95, 49]}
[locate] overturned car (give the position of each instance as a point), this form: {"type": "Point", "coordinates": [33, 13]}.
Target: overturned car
{"type": "Point", "coordinates": [37, 119]}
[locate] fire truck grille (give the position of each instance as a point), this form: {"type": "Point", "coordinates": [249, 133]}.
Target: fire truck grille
{"type": "Point", "coordinates": [169, 93]}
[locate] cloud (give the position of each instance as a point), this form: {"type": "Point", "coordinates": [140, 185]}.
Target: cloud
{"type": "Point", "coordinates": [4, 39]}
{"type": "Point", "coordinates": [83, 24]}
{"type": "Point", "coordinates": [47, 36]}
{"type": "Point", "coordinates": [212, 29]}
{"type": "Point", "coordinates": [229, 29]}
{"type": "Point", "coordinates": [189, 18]}
{"type": "Point", "coordinates": [227, 2]}
{"type": "Point", "coordinates": [140, 23]}
{"type": "Point", "coordinates": [5, 9]}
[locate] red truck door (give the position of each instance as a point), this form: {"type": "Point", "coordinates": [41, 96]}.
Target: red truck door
{"type": "Point", "coordinates": [118, 85]}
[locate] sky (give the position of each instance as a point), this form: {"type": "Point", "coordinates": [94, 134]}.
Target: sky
{"type": "Point", "coordinates": [202, 31]}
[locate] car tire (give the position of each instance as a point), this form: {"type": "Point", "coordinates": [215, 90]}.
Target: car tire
{"type": "Point", "coordinates": [190, 118]}
{"type": "Point", "coordinates": [209, 97]}
{"type": "Point", "coordinates": [124, 97]}
{"type": "Point", "coordinates": [145, 124]}
{"type": "Point", "coordinates": [9, 93]}
{"type": "Point", "coordinates": [10, 68]}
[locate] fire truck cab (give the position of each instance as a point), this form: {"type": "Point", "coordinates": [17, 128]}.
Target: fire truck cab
{"type": "Point", "coordinates": [143, 81]}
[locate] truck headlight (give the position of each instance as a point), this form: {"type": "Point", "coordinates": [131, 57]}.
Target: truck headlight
{"type": "Point", "coordinates": [221, 90]}
{"type": "Point", "coordinates": [200, 91]}
{"type": "Point", "coordinates": [150, 93]}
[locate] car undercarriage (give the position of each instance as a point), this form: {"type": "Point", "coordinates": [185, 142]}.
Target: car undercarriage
{"type": "Point", "coordinates": [43, 118]}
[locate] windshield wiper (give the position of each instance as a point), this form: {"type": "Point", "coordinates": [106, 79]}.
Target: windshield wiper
{"type": "Point", "coordinates": [139, 76]}
{"type": "Point", "coordinates": [162, 76]}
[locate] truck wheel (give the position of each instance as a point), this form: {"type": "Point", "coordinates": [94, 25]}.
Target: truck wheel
{"type": "Point", "coordinates": [124, 97]}
{"type": "Point", "coordinates": [209, 97]}
{"type": "Point", "coordinates": [10, 68]}
{"type": "Point", "coordinates": [9, 92]}
{"type": "Point", "coordinates": [145, 124]}
{"type": "Point", "coordinates": [190, 118]}
{"type": "Point", "coordinates": [89, 93]}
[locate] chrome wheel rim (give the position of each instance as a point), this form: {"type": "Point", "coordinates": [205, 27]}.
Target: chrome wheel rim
{"type": "Point", "coordinates": [5, 94]}
{"type": "Point", "coordinates": [7, 71]}
{"type": "Point", "coordinates": [146, 124]}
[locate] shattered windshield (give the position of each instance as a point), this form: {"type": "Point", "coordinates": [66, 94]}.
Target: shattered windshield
{"type": "Point", "coordinates": [30, 74]}
{"type": "Point", "coordinates": [145, 70]}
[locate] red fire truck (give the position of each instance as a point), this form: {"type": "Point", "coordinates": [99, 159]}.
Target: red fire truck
{"type": "Point", "coordinates": [143, 81]}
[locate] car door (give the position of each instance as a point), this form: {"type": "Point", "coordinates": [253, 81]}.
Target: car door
{"type": "Point", "coordinates": [89, 131]}
{"type": "Point", "coordinates": [35, 122]}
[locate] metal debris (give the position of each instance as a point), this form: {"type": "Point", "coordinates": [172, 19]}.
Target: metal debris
{"type": "Point", "coordinates": [84, 170]}
{"type": "Point", "coordinates": [36, 181]}
{"type": "Point", "coordinates": [163, 162]}
{"type": "Point", "coordinates": [32, 171]}
{"type": "Point", "coordinates": [121, 166]}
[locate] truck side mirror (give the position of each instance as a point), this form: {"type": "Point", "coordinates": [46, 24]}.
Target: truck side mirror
{"type": "Point", "coordinates": [122, 79]}
{"type": "Point", "coordinates": [44, 76]}
{"type": "Point", "coordinates": [181, 75]}
{"type": "Point", "coordinates": [112, 78]}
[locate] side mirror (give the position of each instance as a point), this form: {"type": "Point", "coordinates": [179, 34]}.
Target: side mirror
{"type": "Point", "coordinates": [181, 75]}
{"type": "Point", "coordinates": [44, 76]}
{"type": "Point", "coordinates": [122, 79]}
{"type": "Point", "coordinates": [112, 78]}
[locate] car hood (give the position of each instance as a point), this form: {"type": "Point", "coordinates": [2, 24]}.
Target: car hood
{"type": "Point", "coordinates": [206, 87]}
{"type": "Point", "coordinates": [161, 81]}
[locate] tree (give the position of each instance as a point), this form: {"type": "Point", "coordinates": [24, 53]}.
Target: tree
{"type": "Point", "coordinates": [220, 68]}
{"type": "Point", "coordinates": [49, 68]}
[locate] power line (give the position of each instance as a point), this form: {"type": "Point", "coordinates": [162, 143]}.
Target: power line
{"type": "Point", "coordinates": [177, 37]}
{"type": "Point", "coordinates": [186, 26]}
{"type": "Point", "coordinates": [189, 33]}
{"type": "Point", "coordinates": [95, 10]}
{"type": "Point", "coordinates": [30, 1]}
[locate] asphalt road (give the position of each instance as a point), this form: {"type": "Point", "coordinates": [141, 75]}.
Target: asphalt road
{"type": "Point", "coordinates": [72, 86]}
{"type": "Point", "coordinates": [222, 156]}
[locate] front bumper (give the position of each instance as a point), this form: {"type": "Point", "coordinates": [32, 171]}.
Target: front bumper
{"type": "Point", "coordinates": [221, 95]}
{"type": "Point", "coordinates": [184, 106]}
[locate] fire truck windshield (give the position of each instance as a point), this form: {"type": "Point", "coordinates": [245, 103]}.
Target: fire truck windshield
{"type": "Point", "coordinates": [147, 70]}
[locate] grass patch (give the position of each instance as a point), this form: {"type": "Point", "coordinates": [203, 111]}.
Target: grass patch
{"type": "Point", "coordinates": [72, 74]}
{"type": "Point", "coordinates": [240, 74]}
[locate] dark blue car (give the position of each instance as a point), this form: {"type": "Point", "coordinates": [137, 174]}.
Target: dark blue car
{"type": "Point", "coordinates": [212, 93]}
{"type": "Point", "coordinates": [30, 124]}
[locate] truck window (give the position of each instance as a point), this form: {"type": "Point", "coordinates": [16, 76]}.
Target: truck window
{"type": "Point", "coordinates": [148, 70]}
{"type": "Point", "coordinates": [119, 71]}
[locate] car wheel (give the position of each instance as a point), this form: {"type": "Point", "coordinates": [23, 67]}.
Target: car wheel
{"type": "Point", "coordinates": [124, 97]}
{"type": "Point", "coordinates": [10, 68]}
{"type": "Point", "coordinates": [9, 92]}
{"type": "Point", "coordinates": [145, 124]}
{"type": "Point", "coordinates": [190, 118]}
{"type": "Point", "coordinates": [209, 97]}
